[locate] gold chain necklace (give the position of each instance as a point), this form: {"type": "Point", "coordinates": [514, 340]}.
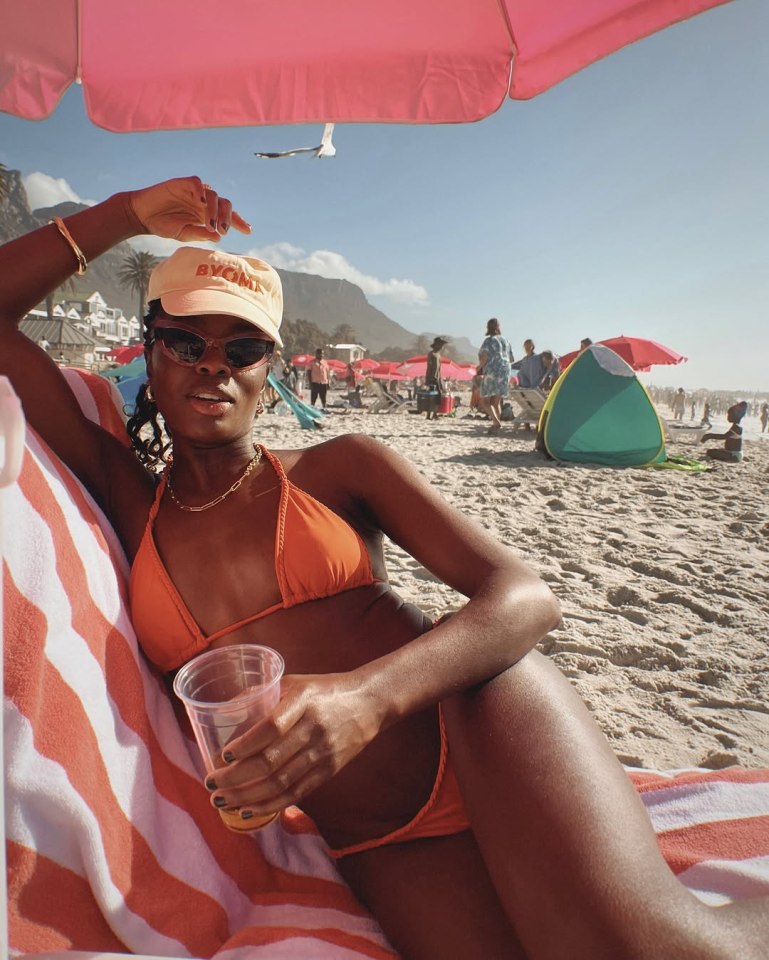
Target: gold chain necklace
{"type": "Point", "coordinates": [212, 503]}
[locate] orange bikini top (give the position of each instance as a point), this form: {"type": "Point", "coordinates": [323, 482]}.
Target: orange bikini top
{"type": "Point", "coordinates": [317, 555]}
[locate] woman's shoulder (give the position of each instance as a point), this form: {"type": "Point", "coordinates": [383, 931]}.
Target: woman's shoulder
{"type": "Point", "coordinates": [343, 470]}
{"type": "Point", "coordinates": [334, 451]}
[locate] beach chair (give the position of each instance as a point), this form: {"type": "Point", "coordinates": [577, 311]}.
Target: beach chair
{"type": "Point", "coordinates": [384, 400]}
{"type": "Point", "coordinates": [397, 404]}
{"type": "Point", "coordinates": [381, 404]}
{"type": "Point", "coordinates": [527, 405]}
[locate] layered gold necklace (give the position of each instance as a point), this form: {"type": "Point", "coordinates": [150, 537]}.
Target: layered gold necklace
{"type": "Point", "coordinates": [212, 503]}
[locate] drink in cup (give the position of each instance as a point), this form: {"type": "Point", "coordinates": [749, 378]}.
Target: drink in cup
{"type": "Point", "coordinates": [226, 691]}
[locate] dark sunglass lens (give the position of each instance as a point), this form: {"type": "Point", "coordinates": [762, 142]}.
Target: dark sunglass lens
{"type": "Point", "coordinates": [246, 351]}
{"type": "Point", "coordinates": [186, 346]}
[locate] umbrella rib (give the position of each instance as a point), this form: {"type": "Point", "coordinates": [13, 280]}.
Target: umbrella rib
{"type": "Point", "coordinates": [79, 41]}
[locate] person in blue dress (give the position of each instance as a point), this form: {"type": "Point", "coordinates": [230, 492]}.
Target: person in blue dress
{"type": "Point", "coordinates": [495, 358]}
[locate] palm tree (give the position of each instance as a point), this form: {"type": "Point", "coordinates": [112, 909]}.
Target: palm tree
{"type": "Point", "coordinates": [135, 274]}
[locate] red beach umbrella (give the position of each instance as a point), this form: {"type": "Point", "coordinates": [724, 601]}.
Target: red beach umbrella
{"type": "Point", "coordinates": [457, 371]}
{"type": "Point", "coordinates": [349, 61]}
{"type": "Point", "coordinates": [391, 366]}
{"type": "Point", "coordinates": [302, 359]}
{"type": "Point", "coordinates": [365, 363]}
{"type": "Point", "coordinates": [126, 354]}
{"type": "Point", "coordinates": [386, 371]}
{"type": "Point", "coordinates": [411, 370]}
{"type": "Point", "coordinates": [639, 353]}
{"type": "Point", "coordinates": [417, 367]}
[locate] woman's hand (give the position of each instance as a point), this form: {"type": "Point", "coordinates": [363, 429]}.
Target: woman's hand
{"type": "Point", "coordinates": [185, 209]}
{"type": "Point", "coordinates": [321, 723]}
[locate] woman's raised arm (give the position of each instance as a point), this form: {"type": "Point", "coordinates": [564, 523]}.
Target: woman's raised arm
{"type": "Point", "coordinates": [35, 264]}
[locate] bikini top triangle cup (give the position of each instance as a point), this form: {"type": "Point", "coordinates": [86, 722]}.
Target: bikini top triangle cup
{"type": "Point", "coordinates": [317, 555]}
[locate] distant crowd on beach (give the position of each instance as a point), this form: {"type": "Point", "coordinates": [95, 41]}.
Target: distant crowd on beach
{"type": "Point", "coordinates": [496, 374]}
{"type": "Point", "coordinates": [700, 406]}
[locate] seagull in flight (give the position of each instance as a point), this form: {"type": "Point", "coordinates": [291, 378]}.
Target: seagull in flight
{"type": "Point", "coordinates": [324, 149]}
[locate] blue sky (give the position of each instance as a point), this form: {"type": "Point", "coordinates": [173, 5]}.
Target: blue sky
{"type": "Point", "coordinates": [632, 199]}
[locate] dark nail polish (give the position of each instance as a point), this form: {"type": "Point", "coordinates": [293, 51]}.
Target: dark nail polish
{"type": "Point", "coordinates": [220, 802]}
{"type": "Point", "coordinates": [228, 757]}
{"type": "Point", "coordinates": [246, 814]}
{"type": "Point", "coordinates": [210, 784]}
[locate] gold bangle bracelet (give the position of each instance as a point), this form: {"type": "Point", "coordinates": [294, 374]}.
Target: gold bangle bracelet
{"type": "Point", "coordinates": [82, 263]}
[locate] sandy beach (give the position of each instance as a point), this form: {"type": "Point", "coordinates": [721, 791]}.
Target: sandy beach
{"type": "Point", "coordinates": [663, 576]}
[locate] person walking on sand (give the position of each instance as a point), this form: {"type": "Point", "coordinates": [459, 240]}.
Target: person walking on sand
{"type": "Point", "coordinates": [764, 416]}
{"type": "Point", "coordinates": [494, 362]}
{"type": "Point", "coordinates": [433, 378]}
{"type": "Point", "coordinates": [319, 377]}
{"type": "Point", "coordinates": [679, 404]}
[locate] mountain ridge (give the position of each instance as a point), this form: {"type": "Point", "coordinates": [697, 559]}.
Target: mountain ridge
{"type": "Point", "coordinates": [328, 303]}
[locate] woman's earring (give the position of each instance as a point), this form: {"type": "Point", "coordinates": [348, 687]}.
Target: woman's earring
{"type": "Point", "coordinates": [259, 408]}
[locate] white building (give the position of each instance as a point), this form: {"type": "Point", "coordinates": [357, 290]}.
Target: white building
{"type": "Point", "coordinates": [349, 352]}
{"type": "Point", "coordinates": [104, 322]}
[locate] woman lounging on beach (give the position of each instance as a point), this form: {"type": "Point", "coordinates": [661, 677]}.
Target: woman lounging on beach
{"type": "Point", "coordinates": [501, 825]}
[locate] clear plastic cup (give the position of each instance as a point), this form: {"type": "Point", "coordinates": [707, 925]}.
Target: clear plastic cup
{"type": "Point", "coordinates": [225, 692]}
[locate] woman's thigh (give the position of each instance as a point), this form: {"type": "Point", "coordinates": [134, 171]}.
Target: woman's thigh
{"type": "Point", "coordinates": [434, 899]}
{"type": "Point", "coordinates": [563, 833]}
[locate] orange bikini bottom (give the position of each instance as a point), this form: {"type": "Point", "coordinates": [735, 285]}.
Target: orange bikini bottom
{"type": "Point", "coordinates": [442, 815]}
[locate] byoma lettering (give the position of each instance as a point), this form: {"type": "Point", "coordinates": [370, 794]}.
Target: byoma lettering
{"type": "Point", "coordinates": [230, 274]}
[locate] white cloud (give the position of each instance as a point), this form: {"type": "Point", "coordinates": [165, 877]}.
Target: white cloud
{"type": "Point", "coordinates": [46, 191]}
{"type": "Point", "coordinates": [161, 246]}
{"type": "Point", "coordinates": [326, 263]}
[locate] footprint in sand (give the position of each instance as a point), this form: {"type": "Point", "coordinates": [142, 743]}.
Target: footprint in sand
{"type": "Point", "coordinates": [718, 760]}
{"type": "Point", "coordinates": [661, 573]}
{"type": "Point", "coordinates": [654, 491]}
{"type": "Point", "coordinates": [568, 566]}
{"type": "Point", "coordinates": [705, 613]}
{"type": "Point", "coordinates": [623, 596]}
{"type": "Point", "coordinates": [634, 616]}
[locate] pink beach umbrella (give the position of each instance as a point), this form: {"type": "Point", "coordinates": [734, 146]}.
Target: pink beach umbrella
{"type": "Point", "coordinates": [389, 366]}
{"type": "Point", "coordinates": [417, 367]}
{"type": "Point", "coordinates": [365, 364]}
{"type": "Point", "coordinates": [302, 359]}
{"type": "Point", "coordinates": [640, 353]}
{"type": "Point", "coordinates": [126, 354]}
{"type": "Point", "coordinates": [458, 371]}
{"type": "Point", "coordinates": [418, 61]}
{"type": "Point", "coordinates": [410, 371]}
{"type": "Point", "coordinates": [385, 371]}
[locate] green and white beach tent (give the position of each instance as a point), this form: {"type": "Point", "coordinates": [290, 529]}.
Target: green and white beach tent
{"type": "Point", "coordinates": [599, 412]}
